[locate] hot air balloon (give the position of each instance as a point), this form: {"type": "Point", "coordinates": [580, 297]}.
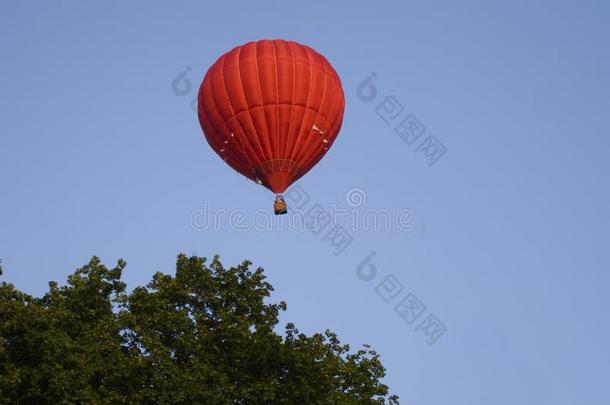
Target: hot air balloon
{"type": "Point", "coordinates": [271, 109]}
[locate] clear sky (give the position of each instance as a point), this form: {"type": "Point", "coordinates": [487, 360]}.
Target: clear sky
{"type": "Point", "coordinates": [507, 246]}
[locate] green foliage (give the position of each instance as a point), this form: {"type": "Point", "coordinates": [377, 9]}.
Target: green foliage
{"type": "Point", "coordinates": [203, 336]}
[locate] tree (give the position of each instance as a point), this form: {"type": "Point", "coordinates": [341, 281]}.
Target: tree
{"type": "Point", "coordinates": [205, 335]}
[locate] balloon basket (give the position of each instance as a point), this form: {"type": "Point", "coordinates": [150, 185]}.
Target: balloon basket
{"type": "Point", "coordinates": [279, 206]}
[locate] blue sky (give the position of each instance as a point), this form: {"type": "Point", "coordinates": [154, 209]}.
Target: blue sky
{"type": "Point", "coordinates": [507, 246]}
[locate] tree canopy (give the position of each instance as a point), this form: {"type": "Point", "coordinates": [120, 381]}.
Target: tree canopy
{"type": "Point", "coordinates": [206, 335]}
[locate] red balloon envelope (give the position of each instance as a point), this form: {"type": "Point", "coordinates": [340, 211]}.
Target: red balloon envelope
{"type": "Point", "coordinates": [271, 110]}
